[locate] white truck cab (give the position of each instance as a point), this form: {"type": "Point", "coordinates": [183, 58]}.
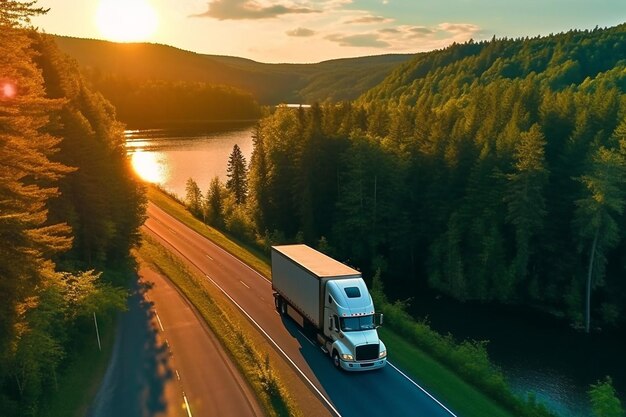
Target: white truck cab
{"type": "Point", "coordinates": [350, 326]}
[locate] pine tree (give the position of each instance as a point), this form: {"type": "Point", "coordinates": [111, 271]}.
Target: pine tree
{"type": "Point", "coordinates": [214, 204]}
{"type": "Point", "coordinates": [603, 200]}
{"type": "Point", "coordinates": [193, 197]}
{"type": "Point", "coordinates": [28, 179]}
{"type": "Point", "coordinates": [237, 174]}
{"type": "Point", "coordinates": [526, 204]}
{"type": "Point", "coordinates": [258, 179]}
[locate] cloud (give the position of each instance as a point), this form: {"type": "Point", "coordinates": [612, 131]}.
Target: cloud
{"type": "Point", "coordinates": [371, 40]}
{"type": "Point", "coordinates": [459, 28]}
{"type": "Point", "coordinates": [391, 31]}
{"type": "Point", "coordinates": [250, 9]}
{"type": "Point", "coordinates": [369, 19]}
{"type": "Point", "coordinates": [421, 30]}
{"type": "Point", "coordinates": [300, 32]}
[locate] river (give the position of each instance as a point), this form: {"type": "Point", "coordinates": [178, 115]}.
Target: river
{"type": "Point", "coordinates": [169, 157]}
{"type": "Point", "coordinates": [536, 352]}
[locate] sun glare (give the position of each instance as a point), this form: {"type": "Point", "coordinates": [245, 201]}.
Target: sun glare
{"type": "Point", "coordinates": [126, 20]}
{"type": "Point", "coordinates": [149, 166]}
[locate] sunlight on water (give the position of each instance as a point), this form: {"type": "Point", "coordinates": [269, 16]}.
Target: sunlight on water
{"type": "Point", "coordinates": [150, 166]}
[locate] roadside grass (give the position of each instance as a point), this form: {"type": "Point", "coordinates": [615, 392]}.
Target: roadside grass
{"type": "Point", "coordinates": [462, 398]}
{"type": "Point", "coordinates": [246, 253]}
{"type": "Point", "coordinates": [234, 332]}
{"type": "Point", "coordinates": [78, 383]}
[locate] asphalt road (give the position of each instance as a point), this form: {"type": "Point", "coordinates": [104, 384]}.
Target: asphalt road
{"type": "Point", "coordinates": [166, 363]}
{"type": "Point", "coordinates": [386, 392]}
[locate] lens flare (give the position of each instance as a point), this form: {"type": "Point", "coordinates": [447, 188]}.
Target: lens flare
{"type": "Point", "coordinates": [8, 90]}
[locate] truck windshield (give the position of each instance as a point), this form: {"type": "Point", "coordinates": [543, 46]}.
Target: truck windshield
{"type": "Point", "coordinates": [354, 324]}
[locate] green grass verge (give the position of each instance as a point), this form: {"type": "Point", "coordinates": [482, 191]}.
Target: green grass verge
{"type": "Point", "coordinates": [78, 383]}
{"type": "Point", "coordinates": [251, 256]}
{"type": "Point", "coordinates": [463, 399]}
{"type": "Point", "coordinates": [233, 331]}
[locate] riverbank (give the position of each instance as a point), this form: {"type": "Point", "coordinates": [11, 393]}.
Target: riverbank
{"type": "Point", "coordinates": [537, 352]}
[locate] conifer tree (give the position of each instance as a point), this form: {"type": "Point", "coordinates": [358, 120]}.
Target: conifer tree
{"type": "Point", "coordinates": [193, 197]}
{"type": "Point", "coordinates": [214, 204]}
{"type": "Point", "coordinates": [526, 204]}
{"type": "Point", "coordinates": [603, 200]}
{"type": "Point", "coordinates": [237, 173]}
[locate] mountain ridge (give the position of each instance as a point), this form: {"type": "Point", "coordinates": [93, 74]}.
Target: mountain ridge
{"type": "Point", "coordinates": [269, 83]}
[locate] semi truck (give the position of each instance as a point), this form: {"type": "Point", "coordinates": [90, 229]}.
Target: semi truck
{"type": "Point", "coordinates": [333, 300]}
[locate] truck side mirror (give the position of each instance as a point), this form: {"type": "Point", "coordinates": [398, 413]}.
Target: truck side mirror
{"type": "Point", "coordinates": [330, 323]}
{"type": "Point", "coordinates": [379, 320]}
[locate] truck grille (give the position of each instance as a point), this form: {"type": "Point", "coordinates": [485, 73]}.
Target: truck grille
{"type": "Point", "coordinates": [367, 352]}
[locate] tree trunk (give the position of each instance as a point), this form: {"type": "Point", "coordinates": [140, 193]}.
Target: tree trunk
{"type": "Point", "coordinates": [589, 275]}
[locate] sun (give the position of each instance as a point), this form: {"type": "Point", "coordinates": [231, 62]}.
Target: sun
{"type": "Point", "coordinates": [126, 20]}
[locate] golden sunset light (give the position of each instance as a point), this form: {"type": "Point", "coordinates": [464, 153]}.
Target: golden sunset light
{"type": "Point", "coordinates": [305, 167]}
{"type": "Point", "coordinates": [148, 166]}
{"type": "Point", "coordinates": [126, 20]}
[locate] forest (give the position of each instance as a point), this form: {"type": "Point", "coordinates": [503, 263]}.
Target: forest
{"type": "Point", "coordinates": [154, 103]}
{"type": "Point", "coordinates": [70, 209]}
{"type": "Point", "coordinates": [489, 171]}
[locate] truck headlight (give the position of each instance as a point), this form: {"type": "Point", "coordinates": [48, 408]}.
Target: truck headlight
{"type": "Point", "coordinates": [347, 357]}
{"type": "Point", "coordinates": [382, 354]}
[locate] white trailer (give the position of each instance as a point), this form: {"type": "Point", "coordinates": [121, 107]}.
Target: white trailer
{"type": "Point", "coordinates": [334, 299]}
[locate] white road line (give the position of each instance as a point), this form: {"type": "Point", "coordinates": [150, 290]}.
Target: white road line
{"type": "Point", "coordinates": [207, 255]}
{"type": "Point", "coordinates": [307, 339]}
{"type": "Point", "coordinates": [302, 374]}
{"type": "Point", "coordinates": [187, 406]}
{"type": "Point", "coordinates": [322, 396]}
{"type": "Point", "coordinates": [422, 389]}
{"type": "Point", "coordinates": [159, 320]}
{"type": "Point", "coordinates": [244, 284]}
{"type": "Point", "coordinates": [177, 375]}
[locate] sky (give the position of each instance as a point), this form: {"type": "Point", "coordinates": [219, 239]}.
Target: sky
{"type": "Point", "coordinates": [308, 31]}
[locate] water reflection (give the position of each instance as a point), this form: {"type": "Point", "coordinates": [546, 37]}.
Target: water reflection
{"type": "Point", "coordinates": [151, 166]}
{"type": "Point", "coordinates": [169, 157]}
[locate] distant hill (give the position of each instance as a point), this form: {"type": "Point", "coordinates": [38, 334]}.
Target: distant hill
{"type": "Point", "coordinates": [582, 59]}
{"type": "Point", "coordinates": [341, 79]}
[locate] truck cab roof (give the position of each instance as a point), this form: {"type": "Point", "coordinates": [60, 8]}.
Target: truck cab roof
{"type": "Point", "coordinates": [351, 296]}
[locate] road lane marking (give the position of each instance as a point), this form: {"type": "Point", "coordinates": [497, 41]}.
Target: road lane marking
{"type": "Point", "coordinates": [187, 406]}
{"type": "Point", "coordinates": [422, 389]}
{"type": "Point", "coordinates": [293, 364]}
{"type": "Point", "coordinates": [244, 284]}
{"type": "Point", "coordinates": [307, 339]}
{"type": "Point", "coordinates": [159, 320]}
{"type": "Point", "coordinates": [208, 256]}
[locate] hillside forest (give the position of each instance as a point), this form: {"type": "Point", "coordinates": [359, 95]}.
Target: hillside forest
{"type": "Point", "coordinates": [488, 171]}
{"type": "Point", "coordinates": [70, 209]}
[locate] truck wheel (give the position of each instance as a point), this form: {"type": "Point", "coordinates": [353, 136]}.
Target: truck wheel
{"type": "Point", "coordinates": [282, 306]}
{"type": "Point", "coordinates": [336, 361]}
